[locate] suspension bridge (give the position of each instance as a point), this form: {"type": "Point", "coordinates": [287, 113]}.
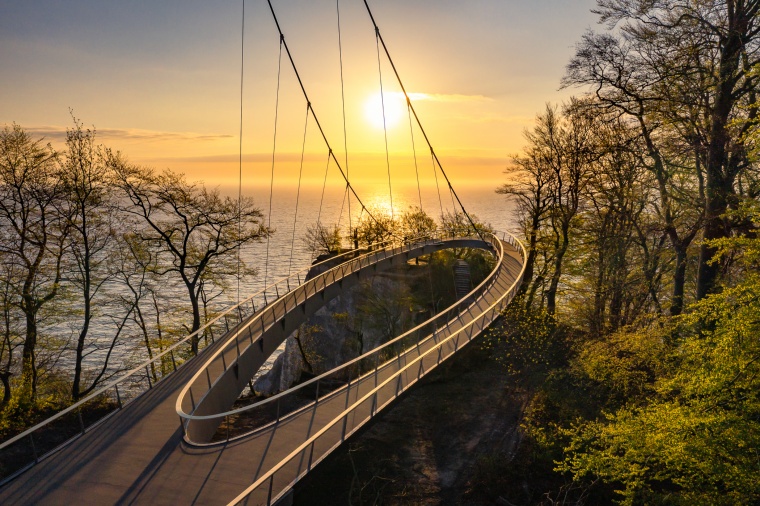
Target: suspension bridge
{"type": "Point", "coordinates": [182, 440]}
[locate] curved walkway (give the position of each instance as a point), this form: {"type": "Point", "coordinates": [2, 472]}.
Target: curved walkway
{"type": "Point", "coordinates": [139, 455]}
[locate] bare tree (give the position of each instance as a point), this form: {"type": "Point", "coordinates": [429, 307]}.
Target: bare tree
{"type": "Point", "coordinates": [12, 330]}
{"type": "Point", "coordinates": [33, 232]}
{"type": "Point", "coordinates": [530, 181]}
{"type": "Point", "coordinates": [193, 228]}
{"type": "Point", "coordinates": [88, 184]}
{"type": "Point", "coordinates": [416, 223]}
{"type": "Point", "coordinates": [683, 71]}
{"type": "Point", "coordinates": [375, 228]}
{"type": "Point", "coordinates": [564, 144]}
{"type": "Point", "coordinates": [321, 239]}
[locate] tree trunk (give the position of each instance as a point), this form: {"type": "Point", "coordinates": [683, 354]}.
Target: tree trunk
{"type": "Point", "coordinates": [196, 317]}
{"type": "Point", "coordinates": [551, 292]}
{"type": "Point", "coordinates": [717, 181]}
{"type": "Point", "coordinates": [679, 281]}
{"type": "Point", "coordinates": [5, 378]}
{"type": "Point", "coordinates": [29, 359]}
{"type": "Point", "coordinates": [76, 385]}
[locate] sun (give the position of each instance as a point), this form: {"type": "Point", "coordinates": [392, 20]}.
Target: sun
{"type": "Point", "coordinates": [390, 103]}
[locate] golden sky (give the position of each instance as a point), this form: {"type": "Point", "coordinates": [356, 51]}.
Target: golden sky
{"type": "Point", "coordinates": [161, 81]}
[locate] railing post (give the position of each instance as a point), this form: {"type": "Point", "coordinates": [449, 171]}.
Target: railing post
{"type": "Point", "coordinates": [174, 363]}
{"type": "Point", "coordinates": [269, 494]}
{"type": "Point", "coordinates": [81, 421]}
{"type": "Point", "coordinates": [147, 375]}
{"type": "Point", "coordinates": [118, 397]}
{"type": "Point", "coordinates": [311, 457]}
{"type": "Point", "coordinates": [34, 449]}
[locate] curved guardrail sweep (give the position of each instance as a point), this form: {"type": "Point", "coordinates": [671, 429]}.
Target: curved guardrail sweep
{"type": "Point", "coordinates": [345, 376]}
{"type": "Point", "coordinates": [141, 455]}
{"type": "Point", "coordinates": [218, 383]}
{"type": "Point", "coordinates": [52, 434]}
{"type": "Point", "coordinates": [375, 390]}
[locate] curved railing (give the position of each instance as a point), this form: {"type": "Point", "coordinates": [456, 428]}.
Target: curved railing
{"type": "Point", "coordinates": [47, 437]}
{"type": "Point", "coordinates": [201, 383]}
{"type": "Point", "coordinates": [270, 410]}
{"type": "Point", "coordinates": [273, 484]}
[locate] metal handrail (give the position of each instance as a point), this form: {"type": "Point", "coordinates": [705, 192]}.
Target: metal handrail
{"type": "Point", "coordinates": [235, 310]}
{"type": "Point", "coordinates": [269, 475]}
{"type": "Point", "coordinates": [233, 338]}
{"type": "Point", "coordinates": [444, 314]}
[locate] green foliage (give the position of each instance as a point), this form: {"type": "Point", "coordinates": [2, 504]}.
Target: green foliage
{"type": "Point", "coordinates": [416, 223]}
{"type": "Point", "coordinates": [689, 430]}
{"type": "Point", "coordinates": [459, 224]}
{"type": "Point", "coordinates": [624, 364]}
{"type": "Point", "coordinates": [321, 239]}
{"type": "Point", "coordinates": [386, 308]}
{"type": "Point", "coordinates": [377, 228]}
{"type": "Point", "coordinates": [527, 342]}
{"type": "Point", "coordinates": [22, 411]}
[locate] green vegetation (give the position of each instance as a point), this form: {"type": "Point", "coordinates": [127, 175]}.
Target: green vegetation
{"type": "Point", "coordinates": [102, 259]}
{"type": "Point", "coordinates": [89, 244]}
{"type": "Point", "coordinates": [635, 334]}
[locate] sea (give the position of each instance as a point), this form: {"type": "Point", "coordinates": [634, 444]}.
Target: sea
{"type": "Point", "coordinates": [290, 211]}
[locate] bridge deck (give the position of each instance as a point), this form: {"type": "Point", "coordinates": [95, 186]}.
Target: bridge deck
{"type": "Point", "coordinates": [139, 457]}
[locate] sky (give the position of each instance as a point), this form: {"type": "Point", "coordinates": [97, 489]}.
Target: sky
{"type": "Point", "coordinates": [161, 81]}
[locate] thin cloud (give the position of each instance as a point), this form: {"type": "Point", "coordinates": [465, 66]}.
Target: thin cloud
{"type": "Point", "coordinates": [58, 133]}
{"type": "Point", "coordinates": [510, 120]}
{"type": "Point", "coordinates": [448, 97]}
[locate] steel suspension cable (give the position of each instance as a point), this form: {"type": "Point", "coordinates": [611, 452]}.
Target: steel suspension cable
{"type": "Point", "coordinates": [298, 191]}
{"type": "Point", "coordinates": [438, 188]}
{"type": "Point", "coordinates": [316, 119]}
{"type": "Point", "coordinates": [414, 152]}
{"type": "Point", "coordinates": [385, 126]}
{"type": "Point", "coordinates": [274, 150]}
{"type": "Point", "coordinates": [240, 147]}
{"type": "Point", "coordinates": [324, 185]}
{"type": "Point", "coordinates": [419, 123]}
{"type": "Point", "coordinates": [343, 104]}
{"type": "Point", "coordinates": [342, 206]}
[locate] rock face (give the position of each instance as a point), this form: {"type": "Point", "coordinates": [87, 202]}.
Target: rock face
{"type": "Point", "coordinates": [353, 323]}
